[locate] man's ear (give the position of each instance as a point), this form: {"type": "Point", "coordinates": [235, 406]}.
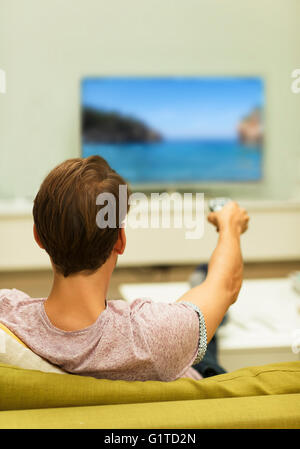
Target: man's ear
{"type": "Point", "coordinates": [121, 242]}
{"type": "Point", "coordinates": [36, 237]}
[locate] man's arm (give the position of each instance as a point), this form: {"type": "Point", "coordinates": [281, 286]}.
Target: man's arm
{"type": "Point", "coordinates": [225, 270]}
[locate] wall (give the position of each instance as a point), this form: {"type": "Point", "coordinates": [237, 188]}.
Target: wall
{"type": "Point", "coordinates": [46, 47]}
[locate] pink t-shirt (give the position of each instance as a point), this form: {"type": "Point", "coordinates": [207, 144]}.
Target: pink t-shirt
{"type": "Point", "coordinates": [142, 340]}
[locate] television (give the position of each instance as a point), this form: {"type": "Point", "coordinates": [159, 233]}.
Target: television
{"type": "Point", "coordinates": [175, 130]}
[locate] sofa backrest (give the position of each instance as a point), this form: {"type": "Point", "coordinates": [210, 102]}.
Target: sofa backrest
{"type": "Point", "coordinates": [32, 389]}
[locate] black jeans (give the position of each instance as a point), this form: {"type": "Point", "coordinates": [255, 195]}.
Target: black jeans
{"type": "Point", "coordinates": [209, 365]}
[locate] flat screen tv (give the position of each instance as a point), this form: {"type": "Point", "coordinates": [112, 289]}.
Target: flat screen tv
{"type": "Point", "coordinates": [175, 130]}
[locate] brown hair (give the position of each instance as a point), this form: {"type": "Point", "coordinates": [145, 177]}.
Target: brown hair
{"type": "Point", "coordinates": [65, 213]}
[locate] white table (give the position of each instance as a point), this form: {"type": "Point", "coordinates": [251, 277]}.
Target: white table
{"type": "Point", "coordinates": [263, 326]}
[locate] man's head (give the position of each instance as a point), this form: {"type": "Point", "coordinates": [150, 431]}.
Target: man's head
{"type": "Point", "coordinates": [65, 213]}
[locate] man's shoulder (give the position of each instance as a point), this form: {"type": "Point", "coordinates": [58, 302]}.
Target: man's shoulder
{"type": "Point", "coordinates": [118, 305]}
{"type": "Point", "coordinates": [13, 293]}
{"type": "Point", "coordinates": [147, 307]}
{"type": "Point", "coordinates": [17, 298]}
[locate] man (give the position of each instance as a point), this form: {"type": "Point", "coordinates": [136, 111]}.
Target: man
{"type": "Point", "coordinates": [76, 328]}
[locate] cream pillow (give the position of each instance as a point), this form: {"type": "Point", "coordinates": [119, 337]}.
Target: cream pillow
{"type": "Point", "coordinates": [14, 352]}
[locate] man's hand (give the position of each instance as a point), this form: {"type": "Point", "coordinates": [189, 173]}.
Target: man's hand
{"type": "Point", "coordinates": [231, 217]}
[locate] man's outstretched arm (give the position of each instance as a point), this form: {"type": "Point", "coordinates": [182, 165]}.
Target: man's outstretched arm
{"type": "Point", "coordinates": [225, 270]}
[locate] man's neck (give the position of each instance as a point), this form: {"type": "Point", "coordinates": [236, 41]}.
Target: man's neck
{"type": "Point", "coordinates": [75, 302]}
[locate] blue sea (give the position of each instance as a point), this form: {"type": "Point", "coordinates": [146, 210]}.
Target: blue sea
{"type": "Point", "coordinates": [182, 161]}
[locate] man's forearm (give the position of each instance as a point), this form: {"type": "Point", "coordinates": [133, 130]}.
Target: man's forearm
{"type": "Point", "coordinates": [221, 287]}
{"type": "Point", "coordinates": [225, 268]}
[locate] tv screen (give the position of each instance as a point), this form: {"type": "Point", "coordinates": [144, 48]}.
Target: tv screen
{"type": "Point", "coordinates": [175, 130]}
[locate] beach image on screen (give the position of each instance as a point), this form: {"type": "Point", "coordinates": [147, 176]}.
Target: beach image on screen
{"type": "Point", "coordinates": [177, 129]}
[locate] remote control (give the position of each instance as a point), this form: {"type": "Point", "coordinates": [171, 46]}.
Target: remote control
{"type": "Point", "coordinates": [216, 204]}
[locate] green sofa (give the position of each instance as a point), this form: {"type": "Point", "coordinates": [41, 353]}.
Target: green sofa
{"type": "Point", "coordinates": [255, 397]}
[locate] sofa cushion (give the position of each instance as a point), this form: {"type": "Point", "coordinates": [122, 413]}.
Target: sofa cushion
{"type": "Point", "coordinates": [14, 352]}
{"type": "Point", "coordinates": [29, 389]}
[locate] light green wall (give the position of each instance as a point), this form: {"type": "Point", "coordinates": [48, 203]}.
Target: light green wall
{"type": "Point", "coordinates": [47, 46]}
